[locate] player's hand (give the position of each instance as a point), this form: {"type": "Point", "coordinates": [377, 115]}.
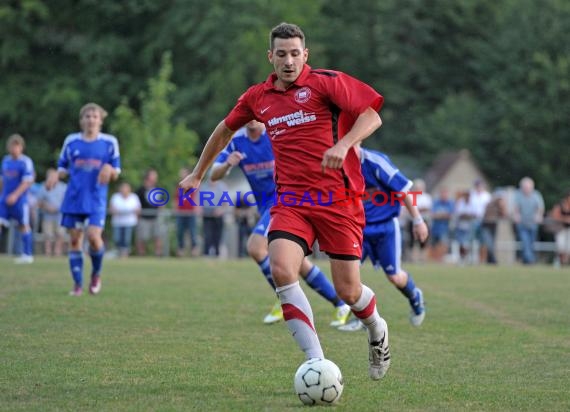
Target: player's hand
{"type": "Point", "coordinates": [105, 174]}
{"type": "Point", "coordinates": [421, 232]}
{"type": "Point", "coordinates": [334, 157]}
{"type": "Point", "coordinates": [234, 158]}
{"type": "Point", "coordinates": [189, 182]}
{"type": "Point", "coordinates": [11, 199]}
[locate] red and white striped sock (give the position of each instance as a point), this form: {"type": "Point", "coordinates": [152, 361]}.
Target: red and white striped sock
{"type": "Point", "coordinates": [365, 310]}
{"type": "Point", "coordinates": [299, 317]}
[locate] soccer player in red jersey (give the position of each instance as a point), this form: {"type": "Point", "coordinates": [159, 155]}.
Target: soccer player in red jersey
{"type": "Point", "coordinates": [314, 157]}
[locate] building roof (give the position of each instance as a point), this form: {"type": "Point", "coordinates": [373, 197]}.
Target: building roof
{"type": "Point", "coordinates": [445, 162]}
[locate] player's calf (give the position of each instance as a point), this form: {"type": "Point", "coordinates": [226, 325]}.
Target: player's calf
{"type": "Point", "coordinates": [378, 350]}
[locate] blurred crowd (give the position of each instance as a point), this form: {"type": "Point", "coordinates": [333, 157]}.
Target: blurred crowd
{"type": "Point", "coordinates": [463, 225]}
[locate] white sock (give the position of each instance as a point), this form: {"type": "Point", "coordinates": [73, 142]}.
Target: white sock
{"type": "Point", "coordinates": [365, 310]}
{"type": "Point", "coordinates": [299, 317]}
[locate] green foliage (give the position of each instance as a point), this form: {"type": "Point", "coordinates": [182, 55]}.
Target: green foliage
{"type": "Point", "coordinates": [487, 76]}
{"type": "Point", "coordinates": [415, 53]}
{"type": "Point", "coordinates": [153, 138]}
{"type": "Point", "coordinates": [219, 50]}
{"type": "Point", "coordinates": [55, 56]}
{"type": "Point", "coordinates": [454, 125]}
{"type": "Point", "coordinates": [523, 73]}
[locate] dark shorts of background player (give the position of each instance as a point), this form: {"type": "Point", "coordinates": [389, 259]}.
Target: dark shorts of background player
{"type": "Point", "coordinates": [337, 228]}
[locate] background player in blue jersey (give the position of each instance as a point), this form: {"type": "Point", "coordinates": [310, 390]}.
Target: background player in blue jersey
{"type": "Point", "coordinates": [382, 241]}
{"type": "Point", "coordinates": [17, 177]}
{"type": "Point", "coordinates": [91, 160]}
{"type": "Point", "coordinates": [250, 149]}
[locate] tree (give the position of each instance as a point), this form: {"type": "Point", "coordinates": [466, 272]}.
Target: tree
{"type": "Point", "coordinates": [152, 138]}
{"type": "Point", "coordinates": [524, 69]}
{"type": "Point", "coordinates": [57, 55]}
{"type": "Point", "coordinates": [488, 76]}
{"type": "Point", "coordinates": [219, 49]}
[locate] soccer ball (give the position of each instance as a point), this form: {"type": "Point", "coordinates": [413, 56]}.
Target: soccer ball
{"type": "Point", "coordinates": [318, 382]}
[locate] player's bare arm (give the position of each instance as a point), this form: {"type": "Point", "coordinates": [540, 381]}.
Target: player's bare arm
{"type": "Point", "coordinates": [13, 197]}
{"type": "Point", "coordinates": [420, 228]}
{"type": "Point", "coordinates": [219, 171]}
{"type": "Point", "coordinates": [106, 174]}
{"type": "Point", "coordinates": [219, 139]}
{"type": "Point", "coordinates": [365, 124]}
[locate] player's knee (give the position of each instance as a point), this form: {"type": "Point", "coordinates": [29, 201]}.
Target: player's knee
{"type": "Point", "coordinates": [255, 252]}
{"type": "Point", "coordinates": [257, 248]}
{"type": "Point", "coordinates": [94, 238]}
{"type": "Point", "coordinates": [399, 279]}
{"type": "Point", "coordinates": [349, 293]}
{"type": "Point", "coordinates": [75, 243]}
{"type": "Point", "coordinates": [91, 237]}
{"type": "Point", "coordinates": [282, 273]}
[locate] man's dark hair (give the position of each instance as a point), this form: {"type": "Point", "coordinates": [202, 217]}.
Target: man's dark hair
{"type": "Point", "coordinates": [286, 31]}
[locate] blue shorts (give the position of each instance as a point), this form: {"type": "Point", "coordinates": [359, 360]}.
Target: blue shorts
{"type": "Point", "coordinates": [19, 212]}
{"type": "Point", "coordinates": [383, 245]}
{"type": "Point", "coordinates": [262, 226]}
{"type": "Point", "coordinates": [439, 236]}
{"type": "Point", "coordinates": [77, 220]}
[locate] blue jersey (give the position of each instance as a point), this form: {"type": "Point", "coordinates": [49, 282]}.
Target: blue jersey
{"type": "Point", "coordinates": [384, 182]}
{"type": "Point", "coordinates": [257, 165]}
{"type": "Point", "coordinates": [14, 172]}
{"type": "Point", "coordinates": [441, 226]}
{"type": "Point", "coordinates": [82, 160]}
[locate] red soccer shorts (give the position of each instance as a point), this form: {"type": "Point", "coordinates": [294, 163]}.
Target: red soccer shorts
{"type": "Point", "coordinates": [338, 228]}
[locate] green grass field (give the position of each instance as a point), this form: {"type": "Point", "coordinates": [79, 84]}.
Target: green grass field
{"type": "Point", "coordinates": [171, 334]}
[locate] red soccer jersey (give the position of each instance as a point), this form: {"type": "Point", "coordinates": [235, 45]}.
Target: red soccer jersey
{"type": "Point", "coordinates": [302, 122]}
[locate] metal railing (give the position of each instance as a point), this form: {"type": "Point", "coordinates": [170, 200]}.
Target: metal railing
{"type": "Point", "coordinates": [229, 243]}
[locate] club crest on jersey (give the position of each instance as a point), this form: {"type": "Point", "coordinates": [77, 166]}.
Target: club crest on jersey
{"type": "Point", "coordinates": [303, 95]}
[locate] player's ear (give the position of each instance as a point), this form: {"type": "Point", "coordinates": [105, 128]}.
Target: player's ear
{"type": "Point", "coordinates": [270, 56]}
{"type": "Point", "coordinates": [306, 55]}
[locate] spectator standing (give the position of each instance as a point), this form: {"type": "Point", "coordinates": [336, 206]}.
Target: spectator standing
{"type": "Point", "coordinates": [561, 214]}
{"type": "Point", "coordinates": [528, 214]}
{"type": "Point", "coordinates": [186, 221]}
{"type": "Point", "coordinates": [479, 198]}
{"type": "Point", "coordinates": [125, 208]}
{"type": "Point", "coordinates": [463, 221]}
{"type": "Point", "coordinates": [50, 198]}
{"type": "Point", "coordinates": [213, 216]}
{"type": "Point", "coordinates": [441, 214]}
{"type": "Point", "coordinates": [496, 209]}
{"type": "Point", "coordinates": [148, 227]}
{"type": "Point", "coordinates": [245, 220]}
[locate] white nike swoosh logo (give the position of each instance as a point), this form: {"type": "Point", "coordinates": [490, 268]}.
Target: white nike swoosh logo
{"type": "Point", "coordinates": [264, 110]}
